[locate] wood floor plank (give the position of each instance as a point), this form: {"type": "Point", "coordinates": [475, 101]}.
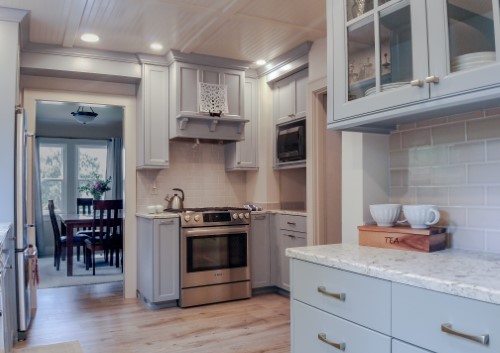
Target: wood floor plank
{"type": "Point", "coordinates": [103, 321]}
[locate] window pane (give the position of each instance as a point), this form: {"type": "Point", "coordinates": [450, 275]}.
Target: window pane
{"type": "Point", "coordinates": [91, 159]}
{"type": "Point", "coordinates": [52, 190]}
{"type": "Point", "coordinates": [51, 162]}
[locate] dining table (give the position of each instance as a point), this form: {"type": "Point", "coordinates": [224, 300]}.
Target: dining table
{"type": "Point", "coordinates": [70, 222]}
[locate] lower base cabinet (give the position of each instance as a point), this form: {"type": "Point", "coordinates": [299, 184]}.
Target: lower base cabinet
{"type": "Point", "coordinates": [401, 347]}
{"type": "Point", "coordinates": [320, 332]}
{"type": "Point", "coordinates": [369, 314]}
{"type": "Point", "coordinates": [158, 259]}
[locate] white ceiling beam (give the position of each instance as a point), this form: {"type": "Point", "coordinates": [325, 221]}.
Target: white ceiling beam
{"type": "Point", "coordinates": [76, 11]}
{"type": "Point", "coordinates": [311, 28]}
{"type": "Point", "coordinates": [213, 25]}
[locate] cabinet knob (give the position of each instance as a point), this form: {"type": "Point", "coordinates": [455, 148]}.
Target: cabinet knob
{"type": "Point", "coordinates": [432, 79]}
{"type": "Point", "coordinates": [417, 83]}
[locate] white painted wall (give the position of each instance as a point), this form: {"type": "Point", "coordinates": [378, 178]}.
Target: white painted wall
{"type": "Point", "coordinates": [129, 138]}
{"type": "Point", "coordinates": [365, 179]}
{"type": "Point", "coordinates": [317, 60]}
{"type": "Point", "coordinates": [9, 34]}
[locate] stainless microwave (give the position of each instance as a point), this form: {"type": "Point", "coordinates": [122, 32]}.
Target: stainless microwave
{"type": "Point", "coordinates": [291, 141]}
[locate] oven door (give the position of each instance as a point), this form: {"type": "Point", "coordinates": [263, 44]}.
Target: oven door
{"type": "Point", "coordinates": [213, 255]}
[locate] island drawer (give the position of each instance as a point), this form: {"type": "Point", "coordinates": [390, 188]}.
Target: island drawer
{"type": "Point", "coordinates": [292, 222]}
{"type": "Point", "coordinates": [312, 325]}
{"type": "Point", "coordinates": [401, 347]}
{"type": "Point", "coordinates": [361, 299]}
{"type": "Point", "coordinates": [439, 321]}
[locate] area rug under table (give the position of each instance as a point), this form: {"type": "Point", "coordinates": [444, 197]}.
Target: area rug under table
{"type": "Point", "coordinates": [51, 278]}
{"type": "Point", "coordinates": [65, 347]}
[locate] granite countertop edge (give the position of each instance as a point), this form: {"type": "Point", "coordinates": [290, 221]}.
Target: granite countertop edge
{"type": "Point", "coordinates": [160, 215]}
{"type": "Point", "coordinates": [466, 274]}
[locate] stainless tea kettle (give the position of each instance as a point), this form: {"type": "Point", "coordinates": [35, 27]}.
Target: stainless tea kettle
{"type": "Point", "coordinates": [175, 202]}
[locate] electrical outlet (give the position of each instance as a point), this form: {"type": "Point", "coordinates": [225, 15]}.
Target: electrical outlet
{"type": "Point", "coordinates": [154, 189]}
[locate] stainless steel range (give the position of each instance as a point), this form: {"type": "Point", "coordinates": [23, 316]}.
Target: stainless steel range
{"type": "Point", "coordinates": [215, 259]}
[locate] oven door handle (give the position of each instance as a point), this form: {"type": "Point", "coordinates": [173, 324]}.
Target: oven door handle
{"type": "Point", "coordinates": [215, 231]}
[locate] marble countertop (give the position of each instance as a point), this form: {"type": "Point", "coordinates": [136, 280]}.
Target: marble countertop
{"type": "Point", "coordinates": [174, 215]}
{"type": "Point", "coordinates": [160, 215]}
{"type": "Point", "coordinates": [289, 212]}
{"type": "Point", "coordinates": [469, 274]}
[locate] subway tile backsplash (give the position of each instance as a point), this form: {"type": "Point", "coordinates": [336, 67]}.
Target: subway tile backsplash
{"type": "Point", "coordinates": [199, 171]}
{"type": "Point", "coordinates": [454, 163]}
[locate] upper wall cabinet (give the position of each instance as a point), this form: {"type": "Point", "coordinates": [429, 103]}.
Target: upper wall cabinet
{"type": "Point", "coordinates": [289, 96]}
{"type": "Point", "coordinates": [187, 120]}
{"type": "Point", "coordinates": [392, 61]}
{"type": "Point", "coordinates": [152, 118]}
{"type": "Point", "coordinates": [242, 155]}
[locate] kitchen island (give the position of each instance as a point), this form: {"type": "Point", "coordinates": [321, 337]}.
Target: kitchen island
{"type": "Point", "coordinates": [394, 301]}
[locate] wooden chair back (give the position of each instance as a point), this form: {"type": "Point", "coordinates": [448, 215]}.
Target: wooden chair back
{"type": "Point", "coordinates": [53, 220]}
{"type": "Point", "coordinates": [108, 218]}
{"type": "Point", "coordinates": [84, 205]}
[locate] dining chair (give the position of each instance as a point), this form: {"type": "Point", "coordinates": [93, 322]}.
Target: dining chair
{"type": "Point", "coordinates": [83, 206]}
{"type": "Point", "coordinates": [107, 232]}
{"type": "Point", "coordinates": [60, 240]}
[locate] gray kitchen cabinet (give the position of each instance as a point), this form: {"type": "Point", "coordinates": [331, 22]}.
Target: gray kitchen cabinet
{"type": "Point", "coordinates": [242, 155]}
{"type": "Point", "coordinates": [401, 347]}
{"type": "Point", "coordinates": [442, 322]}
{"type": "Point", "coordinates": [260, 251]}
{"type": "Point", "coordinates": [289, 95]}
{"type": "Point", "coordinates": [389, 68]}
{"type": "Point", "coordinates": [335, 307]}
{"type": "Point", "coordinates": [290, 233]}
{"type": "Point", "coordinates": [158, 259]}
{"type": "Point", "coordinates": [152, 118]}
{"type": "Point", "coordinates": [186, 118]}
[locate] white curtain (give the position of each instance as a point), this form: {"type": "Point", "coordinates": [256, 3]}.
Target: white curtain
{"type": "Point", "coordinates": [114, 168]}
{"type": "Point", "coordinates": [40, 239]}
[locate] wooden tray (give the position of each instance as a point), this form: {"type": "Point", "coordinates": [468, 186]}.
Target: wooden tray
{"type": "Point", "coordinates": [403, 240]}
{"type": "Point", "coordinates": [403, 229]}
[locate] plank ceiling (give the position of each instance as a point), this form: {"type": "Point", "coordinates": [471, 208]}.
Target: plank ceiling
{"type": "Point", "coordinates": [239, 29]}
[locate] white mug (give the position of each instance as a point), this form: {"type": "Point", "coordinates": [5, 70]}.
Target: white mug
{"type": "Point", "coordinates": [420, 216]}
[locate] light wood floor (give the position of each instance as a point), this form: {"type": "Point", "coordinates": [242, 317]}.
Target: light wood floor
{"type": "Point", "coordinates": [103, 321]}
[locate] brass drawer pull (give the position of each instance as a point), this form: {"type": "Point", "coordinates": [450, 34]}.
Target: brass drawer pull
{"type": "Point", "coordinates": [339, 346]}
{"type": "Point", "coordinates": [483, 339]}
{"type": "Point", "coordinates": [164, 223]}
{"type": "Point", "coordinates": [291, 223]}
{"type": "Point", "coordinates": [338, 296]}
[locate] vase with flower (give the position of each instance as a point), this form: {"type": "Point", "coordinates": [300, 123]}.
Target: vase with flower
{"type": "Point", "coordinates": [96, 186]}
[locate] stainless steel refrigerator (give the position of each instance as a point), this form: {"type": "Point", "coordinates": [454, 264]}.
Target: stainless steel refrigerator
{"type": "Point", "coordinates": [23, 222]}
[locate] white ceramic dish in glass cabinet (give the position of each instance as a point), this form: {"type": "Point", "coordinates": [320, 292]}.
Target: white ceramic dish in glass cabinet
{"type": "Point", "coordinates": [386, 54]}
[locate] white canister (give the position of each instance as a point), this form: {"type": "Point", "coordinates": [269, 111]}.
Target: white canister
{"type": "Point", "coordinates": [159, 208]}
{"type": "Point", "coordinates": [151, 209]}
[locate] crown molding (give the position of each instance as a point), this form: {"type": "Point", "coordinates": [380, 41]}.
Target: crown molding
{"type": "Point", "coordinates": [207, 60]}
{"type": "Point", "coordinates": [279, 63]}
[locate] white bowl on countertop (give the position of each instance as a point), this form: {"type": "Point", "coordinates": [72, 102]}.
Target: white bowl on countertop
{"type": "Point", "coordinates": [386, 214]}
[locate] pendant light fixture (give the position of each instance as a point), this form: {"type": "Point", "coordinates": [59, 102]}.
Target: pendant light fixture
{"type": "Point", "coordinates": [83, 116]}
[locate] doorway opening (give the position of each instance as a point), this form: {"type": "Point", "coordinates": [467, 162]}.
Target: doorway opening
{"type": "Point", "coordinates": [69, 154]}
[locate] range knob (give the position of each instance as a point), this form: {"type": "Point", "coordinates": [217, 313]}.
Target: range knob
{"type": "Point", "coordinates": [187, 218]}
{"type": "Point", "coordinates": [235, 216]}
{"type": "Point", "coordinates": [241, 215]}
{"type": "Point", "coordinates": [247, 215]}
{"type": "Point", "coordinates": [197, 218]}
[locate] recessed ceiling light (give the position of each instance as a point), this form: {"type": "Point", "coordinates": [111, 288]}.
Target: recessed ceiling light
{"type": "Point", "coordinates": [156, 46]}
{"type": "Point", "coordinates": [90, 37]}
{"type": "Point", "coordinates": [260, 62]}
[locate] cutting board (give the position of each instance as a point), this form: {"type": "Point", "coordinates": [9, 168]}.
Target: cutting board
{"type": "Point", "coordinates": [403, 238]}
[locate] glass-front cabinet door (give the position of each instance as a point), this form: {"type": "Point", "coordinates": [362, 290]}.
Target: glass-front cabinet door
{"type": "Point", "coordinates": [384, 60]}
{"type": "Point", "coordinates": [463, 45]}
